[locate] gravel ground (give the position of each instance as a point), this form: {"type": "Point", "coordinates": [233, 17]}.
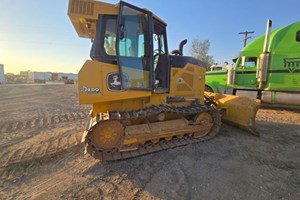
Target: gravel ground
{"type": "Point", "coordinates": [42, 158]}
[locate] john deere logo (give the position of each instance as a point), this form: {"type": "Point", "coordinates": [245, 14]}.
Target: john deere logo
{"type": "Point", "coordinates": [113, 82]}
{"type": "Point", "coordinates": [291, 63]}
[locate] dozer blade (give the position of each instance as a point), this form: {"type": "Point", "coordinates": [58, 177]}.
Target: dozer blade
{"type": "Point", "coordinates": [238, 111]}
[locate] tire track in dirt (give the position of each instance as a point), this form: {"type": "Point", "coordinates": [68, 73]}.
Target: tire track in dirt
{"type": "Point", "coordinates": [15, 172]}
{"type": "Point", "coordinates": [60, 169]}
{"type": "Point", "coordinates": [61, 178]}
{"type": "Point", "coordinates": [43, 122]}
{"type": "Point", "coordinates": [114, 179]}
{"type": "Point", "coordinates": [35, 151]}
{"type": "Point", "coordinates": [110, 187]}
{"type": "Point", "coordinates": [11, 177]}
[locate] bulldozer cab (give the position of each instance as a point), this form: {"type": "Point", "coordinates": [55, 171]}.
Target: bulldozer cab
{"type": "Point", "coordinates": [136, 40]}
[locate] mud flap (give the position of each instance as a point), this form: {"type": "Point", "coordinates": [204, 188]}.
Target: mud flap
{"type": "Point", "coordinates": [239, 111]}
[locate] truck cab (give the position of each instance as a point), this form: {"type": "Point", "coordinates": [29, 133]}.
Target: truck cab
{"type": "Point", "coordinates": [268, 68]}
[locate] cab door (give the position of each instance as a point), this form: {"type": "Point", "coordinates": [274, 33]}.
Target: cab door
{"type": "Point", "coordinates": [134, 47]}
{"type": "Point", "coordinates": [246, 73]}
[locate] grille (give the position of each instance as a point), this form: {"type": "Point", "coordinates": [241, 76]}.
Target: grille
{"type": "Point", "coordinates": [82, 7]}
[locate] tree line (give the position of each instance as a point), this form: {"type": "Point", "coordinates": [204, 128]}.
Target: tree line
{"type": "Point", "coordinates": [199, 49]}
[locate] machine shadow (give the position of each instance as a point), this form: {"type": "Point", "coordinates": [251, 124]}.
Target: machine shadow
{"type": "Point", "coordinates": [174, 173]}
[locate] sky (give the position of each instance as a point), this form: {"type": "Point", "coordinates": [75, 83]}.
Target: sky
{"type": "Point", "coordinates": [37, 35]}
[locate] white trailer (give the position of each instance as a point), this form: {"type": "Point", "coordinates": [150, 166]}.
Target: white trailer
{"type": "Point", "coordinates": [39, 77]}
{"type": "Point", "coordinates": [2, 77]}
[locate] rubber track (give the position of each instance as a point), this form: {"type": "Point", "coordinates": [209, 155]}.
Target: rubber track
{"type": "Point", "coordinates": [162, 144]}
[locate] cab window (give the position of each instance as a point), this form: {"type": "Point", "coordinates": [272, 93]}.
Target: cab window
{"type": "Point", "coordinates": [160, 57]}
{"type": "Point", "coordinates": [110, 37]}
{"type": "Point", "coordinates": [133, 48]}
{"type": "Point", "coordinates": [104, 43]}
{"type": "Point", "coordinates": [248, 62]}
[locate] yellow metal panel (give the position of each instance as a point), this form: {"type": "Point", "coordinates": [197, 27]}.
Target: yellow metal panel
{"type": "Point", "coordinates": [121, 105]}
{"type": "Point", "coordinates": [157, 99]}
{"type": "Point", "coordinates": [89, 83]}
{"type": "Point", "coordinates": [84, 14]}
{"type": "Point", "coordinates": [92, 85]}
{"type": "Point", "coordinates": [240, 111]}
{"type": "Point", "coordinates": [188, 81]}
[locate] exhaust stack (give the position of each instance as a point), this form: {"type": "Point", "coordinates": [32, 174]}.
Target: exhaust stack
{"type": "Point", "coordinates": [267, 36]}
{"type": "Point", "coordinates": [262, 69]}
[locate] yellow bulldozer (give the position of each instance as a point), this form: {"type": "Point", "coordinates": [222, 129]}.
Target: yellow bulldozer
{"type": "Point", "coordinates": [144, 99]}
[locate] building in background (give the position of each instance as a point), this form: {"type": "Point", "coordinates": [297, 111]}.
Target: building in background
{"type": "Point", "coordinates": [39, 77]}
{"type": "Point", "coordinates": [24, 75]}
{"type": "Point", "coordinates": [2, 77]}
{"type": "Point", "coordinates": [69, 76]}
{"type": "Point", "coordinates": [36, 77]}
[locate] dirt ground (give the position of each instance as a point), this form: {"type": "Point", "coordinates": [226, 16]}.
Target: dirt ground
{"type": "Point", "coordinates": [41, 156]}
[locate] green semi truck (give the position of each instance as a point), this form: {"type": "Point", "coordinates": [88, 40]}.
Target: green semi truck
{"type": "Point", "coordinates": [268, 68]}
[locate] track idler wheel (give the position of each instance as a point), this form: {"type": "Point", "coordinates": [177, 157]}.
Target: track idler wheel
{"type": "Point", "coordinates": [107, 135]}
{"type": "Point", "coordinates": [206, 120]}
